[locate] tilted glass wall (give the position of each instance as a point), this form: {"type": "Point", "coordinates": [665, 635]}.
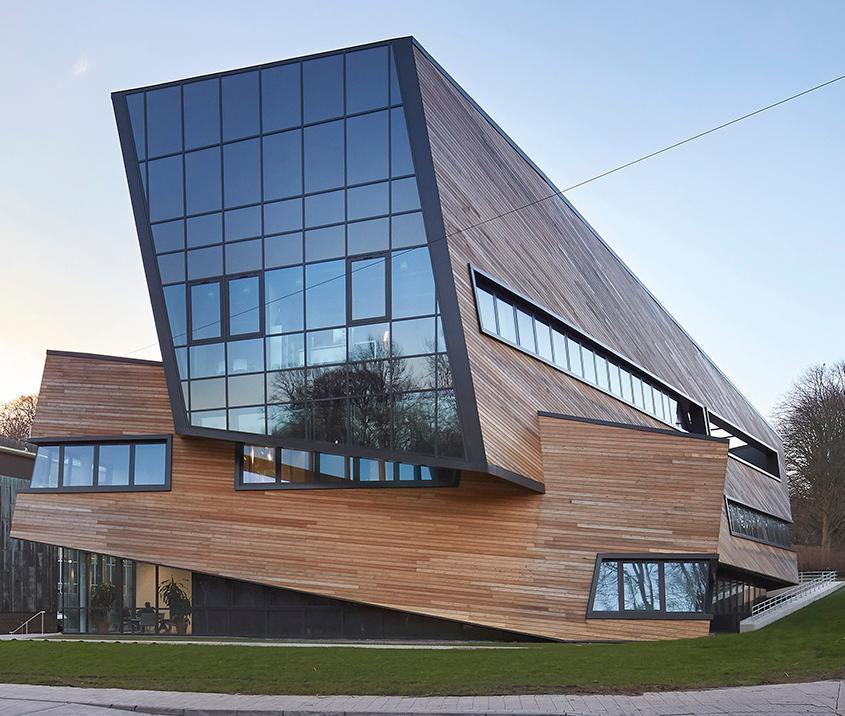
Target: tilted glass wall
{"type": "Point", "coordinates": [286, 222]}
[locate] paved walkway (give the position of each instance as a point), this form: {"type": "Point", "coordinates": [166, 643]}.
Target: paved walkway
{"type": "Point", "coordinates": [820, 697]}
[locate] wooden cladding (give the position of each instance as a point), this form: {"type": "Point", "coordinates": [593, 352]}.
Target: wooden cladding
{"type": "Point", "coordinates": [550, 254]}
{"type": "Point", "coordinates": [87, 395]}
{"type": "Point", "coordinates": [486, 552]}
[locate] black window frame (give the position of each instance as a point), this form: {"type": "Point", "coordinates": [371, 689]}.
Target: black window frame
{"type": "Point", "coordinates": [451, 476]}
{"type": "Point", "coordinates": [691, 416]}
{"type": "Point", "coordinates": [96, 441]}
{"type": "Point", "coordinates": [388, 293]}
{"type": "Point", "coordinates": [660, 614]}
{"type": "Point", "coordinates": [225, 332]}
{"type": "Point", "coordinates": [736, 530]}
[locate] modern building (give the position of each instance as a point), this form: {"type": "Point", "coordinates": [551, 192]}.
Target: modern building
{"type": "Point", "coordinates": [406, 389]}
{"type": "Point", "coordinates": [28, 571]}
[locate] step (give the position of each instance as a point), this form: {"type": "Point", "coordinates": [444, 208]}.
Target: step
{"type": "Point", "coordinates": [758, 621]}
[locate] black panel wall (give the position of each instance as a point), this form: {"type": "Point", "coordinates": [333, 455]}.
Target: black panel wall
{"type": "Point", "coordinates": [28, 570]}
{"type": "Point", "coordinates": [227, 607]}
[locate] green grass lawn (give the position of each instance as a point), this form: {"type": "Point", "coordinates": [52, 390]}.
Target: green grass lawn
{"type": "Point", "coordinates": [806, 646]}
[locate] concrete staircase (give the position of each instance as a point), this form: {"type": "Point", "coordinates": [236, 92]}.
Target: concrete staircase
{"type": "Point", "coordinates": [811, 587]}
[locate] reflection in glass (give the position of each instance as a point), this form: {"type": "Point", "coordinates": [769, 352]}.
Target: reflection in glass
{"type": "Point", "coordinates": [171, 267]}
{"type": "Point", "coordinates": [366, 79]}
{"type": "Point", "coordinates": [244, 299]}
{"type": "Point", "coordinates": [242, 173]}
{"type": "Point", "coordinates": [282, 164]}
{"type": "Point", "coordinates": [113, 465]}
{"type": "Point", "coordinates": [412, 283]}
{"type": "Point", "coordinates": [329, 420]}
{"type": "Point", "coordinates": [202, 180]}
{"type": "Point", "coordinates": [607, 588]}
{"type": "Point", "coordinates": [202, 113]}
{"type": "Point", "coordinates": [258, 464]}
{"type": "Point", "coordinates": [247, 420]}
{"type": "Point", "coordinates": [507, 322]}
{"type": "Point", "coordinates": [322, 88]}
{"type": "Point", "coordinates": [78, 469]}
{"type": "Point", "coordinates": [369, 281]}
{"type": "Point", "coordinates": [640, 586]}
{"type": "Point", "coordinates": [208, 360]}
{"type": "Point", "coordinates": [205, 230]}
{"type": "Point", "coordinates": [324, 156]}
{"type": "Point", "coordinates": [240, 105]}
{"type": "Point", "coordinates": [242, 223]}
{"type": "Point", "coordinates": [407, 230]}
{"type": "Point", "coordinates": [164, 121]}
{"type": "Point", "coordinates": [413, 337]}
{"type": "Point", "coordinates": [287, 421]}
{"type": "Point", "coordinates": [283, 300]}
{"type": "Point", "coordinates": [325, 287]}
{"type": "Point", "coordinates": [366, 148]}
{"type": "Point", "coordinates": [150, 464]}
{"type": "Point", "coordinates": [367, 236]}
{"type": "Point", "coordinates": [243, 256]}
{"type": "Point", "coordinates": [327, 346]}
{"type": "Point", "coordinates": [205, 263]}
{"type": "Point", "coordinates": [296, 466]}
{"type": "Point", "coordinates": [369, 341]}
{"type": "Point", "coordinates": [363, 202]}
{"type": "Point", "coordinates": [326, 208]}
{"type": "Point", "coordinates": [169, 236]}
{"type": "Point", "coordinates": [174, 300]}
{"type": "Point", "coordinates": [282, 250]}
{"type": "Point", "coordinates": [280, 103]}
{"type": "Point", "coordinates": [205, 311]}
{"type": "Point", "coordinates": [246, 356]}
{"type": "Point", "coordinates": [46, 471]}
{"type": "Point", "coordinates": [165, 188]}
{"type": "Point", "coordinates": [287, 351]}
{"type": "Point", "coordinates": [686, 586]}
{"type": "Point", "coordinates": [413, 422]}
{"type": "Point", "coordinates": [401, 162]}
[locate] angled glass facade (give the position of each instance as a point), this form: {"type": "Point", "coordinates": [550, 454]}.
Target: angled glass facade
{"type": "Point", "coordinates": [292, 254]}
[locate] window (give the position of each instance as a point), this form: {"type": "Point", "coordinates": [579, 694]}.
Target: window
{"type": "Point", "coordinates": [652, 588]}
{"type": "Point", "coordinates": [244, 314]}
{"type": "Point", "coordinates": [120, 464]}
{"type": "Point", "coordinates": [753, 524]}
{"type": "Point", "coordinates": [325, 294]}
{"type": "Point", "coordinates": [264, 468]}
{"type": "Point", "coordinates": [368, 281]}
{"type": "Point", "coordinates": [205, 311]}
{"type": "Point", "coordinates": [528, 327]}
{"type": "Point", "coordinates": [285, 209]}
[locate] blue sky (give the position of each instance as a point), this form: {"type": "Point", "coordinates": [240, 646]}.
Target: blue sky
{"type": "Point", "coordinates": [740, 235]}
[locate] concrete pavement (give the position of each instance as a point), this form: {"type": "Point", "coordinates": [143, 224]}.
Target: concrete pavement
{"type": "Point", "coordinates": [820, 697]}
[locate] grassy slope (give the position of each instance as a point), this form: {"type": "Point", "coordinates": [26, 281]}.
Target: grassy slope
{"type": "Point", "coordinates": [805, 646]}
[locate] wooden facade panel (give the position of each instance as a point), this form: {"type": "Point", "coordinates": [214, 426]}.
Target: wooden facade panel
{"type": "Point", "coordinates": [548, 253]}
{"type": "Point", "coordinates": [763, 559]}
{"type": "Point", "coordinates": [485, 552]}
{"type": "Point", "coordinates": [81, 395]}
{"type": "Point", "coordinates": [755, 489]}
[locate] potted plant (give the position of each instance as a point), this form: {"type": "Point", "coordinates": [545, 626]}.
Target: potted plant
{"type": "Point", "coordinates": [102, 601]}
{"type": "Point", "coordinates": [176, 599]}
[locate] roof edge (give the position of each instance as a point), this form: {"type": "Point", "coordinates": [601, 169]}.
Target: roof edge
{"type": "Point", "coordinates": [103, 357]}
{"type": "Point", "coordinates": [586, 223]}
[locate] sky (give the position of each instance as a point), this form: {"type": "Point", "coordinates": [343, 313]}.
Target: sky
{"type": "Point", "coordinates": [741, 235]}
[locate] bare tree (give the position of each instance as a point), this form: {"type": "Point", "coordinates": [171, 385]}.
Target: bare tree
{"type": "Point", "coordinates": [16, 417]}
{"type": "Point", "coordinates": [811, 420]}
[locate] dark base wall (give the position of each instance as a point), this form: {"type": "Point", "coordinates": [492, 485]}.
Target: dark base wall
{"type": "Point", "coordinates": [28, 570]}
{"type": "Point", "coordinates": [227, 607]}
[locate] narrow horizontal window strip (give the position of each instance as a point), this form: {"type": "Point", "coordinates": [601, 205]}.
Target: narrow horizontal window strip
{"type": "Point", "coordinates": [263, 468]}
{"type": "Point", "coordinates": [670, 587]}
{"type": "Point", "coordinates": [748, 523]}
{"type": "Point", "coordinates": [531, 330]}
{"type": "Point", "coordinates": [121, 464]}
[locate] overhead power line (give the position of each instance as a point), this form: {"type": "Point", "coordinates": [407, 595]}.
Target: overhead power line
{"type": "Point", "coordinates": [530, 204]}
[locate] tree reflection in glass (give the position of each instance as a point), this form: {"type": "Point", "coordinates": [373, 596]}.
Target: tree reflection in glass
{"type": "Point", "coordinates": [686, 586]}
{"type": "Point", "coordinates": [640, 583]}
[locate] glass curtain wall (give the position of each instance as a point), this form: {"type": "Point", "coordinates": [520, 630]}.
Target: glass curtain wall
{"type": "Point", "coordinates": [293, 257]}
{"type": "Point", "coordinates": [101, 594]}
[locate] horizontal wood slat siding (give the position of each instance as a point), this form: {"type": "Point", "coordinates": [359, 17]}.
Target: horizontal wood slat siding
{"type": "Point", "coordinates": [548, 253]}
{"type": "Point", "coordinates": [486, 552]}
{"type": "Point", "coordinates": [756, 557]}
{"type": "Point", "coordinates": [757, 490]}
{"type": "Point", "coordinates": [99, 396]}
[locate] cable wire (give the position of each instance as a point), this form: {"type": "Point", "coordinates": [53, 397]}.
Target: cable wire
{"type": "Point", "coordinates": [522, 207]}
